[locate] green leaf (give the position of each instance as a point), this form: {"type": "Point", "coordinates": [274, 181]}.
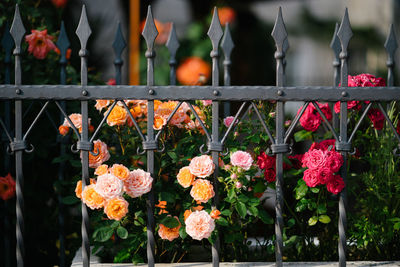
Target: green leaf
{"type": "Point", "coordinates": [264, 216]}
{"type": "Point", "coordinates": [253, 210]}
{"type": "Point", "coordinates": [226, 212]}
{"type": "Point", "coordinates": [254, 202]}
{"type": "Point", "coordinates": [260, 187]}
{"type": "Point", "coordinates": [324, 219]}
{"type": "Point", "coordinates": [122, 232]}
{"type": "Point", "coordinates": [321, 209]}
{"type": "Point", "coordinates": [173, 156]}
{"type": "Point", "coordinates": [102, 234]}
{"type": "Point", "coordinates": [222, 221]}
{"type": "Point", "coordinates": [243, 198]}
{"type": "Point", "coordinates": [70, 200]}
{"type": "Point", "coordinates": [231, 193]}
{"type": "Point", "coordinates": [313, 220]}
{"type": "Point", "coordinates": [182, 232]}
{"type": "Point", "coordinates": [302, 135]}
{"type": "Point", "coordinates": [315, 190]}
{"type": "Point", "coordinates": [241, 209]}
{"type": "Point", "coordinates": [301, 190]}
{"type": "Point", "coordinates": [170, 222]}
{"type": "Point", "coordinates": [396, 226]}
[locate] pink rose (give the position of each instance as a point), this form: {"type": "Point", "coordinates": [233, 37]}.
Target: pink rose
{"type": "Point", "coordinates": [324, 175]}
{"type": "Point", "coordinates": [206, 102]}
{"type": "Point", "coordinates": [311, 177]}
{"type": "Point", "coordinates": [310, 120]}
{"type": "Point", "coordinates": [199, 225]}
{"type": "Point", "coordinates": [228, 121]}
{"type": "Point", "coordinates": [336, 185]}
{"type": "Point", "coordinates": [109, 186]}
{"type": "Point", "coordinates": [314, 159]}
{"type": "Point", "coordinates": [138, 183]}
{"type": "Point", "coordinates": [334, 160]}
{"type": "Point", "coordinates": [202, 166]}
{"type": "Point", "coordinates": [242, 159]}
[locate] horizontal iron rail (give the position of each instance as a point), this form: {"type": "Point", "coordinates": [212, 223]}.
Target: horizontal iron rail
{"type": "Point", "coordinates": [232, 93]}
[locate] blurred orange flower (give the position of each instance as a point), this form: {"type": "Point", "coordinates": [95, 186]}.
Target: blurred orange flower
{"type": "Point", "coordinates": [226, 15]}
{"type": "Point", "coordinates": [40, 43]}
{"type": "Point", "coordinates": [193, 71]}
{"type": "Point", "coordinates": [59, 3]}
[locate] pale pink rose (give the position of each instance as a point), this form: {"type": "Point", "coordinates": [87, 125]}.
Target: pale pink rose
{"type": "Point", "coordinates": [199, 225]}
{"type": "Point", "coordinates": [228, 121]}
{"type": "Point", "coordinates": [238, 185]}
{"type": "Point", "coordinates": [102, 103]}
{"type": "Point", "coordinates": [109, 186]}
{"type": "Point", "coordinates": [138, 183]}
{"type": "Point", "coordinates": [76, 120]}
{"type": "Point", "coordinates": [184, 107]}
{"type": "Point", "coordinates": [206, 102]}
{"type": "Point", "coordinates": [201, 166]}
{"type": "Point", "coordinates": [242, 159]}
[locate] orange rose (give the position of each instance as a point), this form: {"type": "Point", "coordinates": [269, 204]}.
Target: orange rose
{"type": "Point", "coordinates": [117, 116]}
{"type": "Point", "coordinates": [120, 171]}
{"type": "Point", "coordinates": [185, 177]}
{"type": "Point", "coordinates": [102, 169]}
{"type": "Point", "coordinates": [215, 214]}
{"type": "Point", "coordinates": [198, 208]}
{"type": "Point", "coordinates": [202, 190]}
{"type": "Point", "coordinates": [116, 208]}
{"type": "Point", "coordinates": [159, 122]}
{"type": "Point", "coordinates": [91, 198]}
{"type": "Point", "coordinates": [161, 204]}
{"type": "Point", "coordinates": [193, 71]}
{"type": "Point", "coordinates": [169, 233]}
{"type": "Point", "coordinates": [186, 214]}
{"type": "Point", "coordinates": [102, 103]}
{"type": "Point", "coordinates": [78, 188]}
{"type": "Point", "coordinates": [100, 148]}
{"type": "Point", "coordinates": [63, 130]}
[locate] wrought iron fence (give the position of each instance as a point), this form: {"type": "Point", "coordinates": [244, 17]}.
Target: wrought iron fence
{"type": "Point", "coordinates": [280, 93]}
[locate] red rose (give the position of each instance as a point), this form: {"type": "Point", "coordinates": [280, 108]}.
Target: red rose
{"type": "Point", "coordinates": [270, 175]}
{"type": "Point", "coordinates": [311, 177]}
{"type": "Point", "coordinates": [265, 162]}
{"type": "Point", "coordinates": [336, 185]}
{"type": "Point", "coordinates": [377, 118]}
{"type": "Point", "coordinates": [334, 160]}
{"type": "Point", "coordinates": [314, 159]}
{"type": "Point", "coordinates": [324, 175]}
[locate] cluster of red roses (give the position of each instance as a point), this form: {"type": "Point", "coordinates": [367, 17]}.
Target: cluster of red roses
{"type": "Point", "coordinates": [323, 162]}
{"type": "Point", "coordinates": [267, 163]}
{"type": "Point", "coordinates": [311, 120]}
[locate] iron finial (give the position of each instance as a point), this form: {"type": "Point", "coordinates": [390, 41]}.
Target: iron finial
{"type": "Point", "coordinates": [119, 43]}
{"type": "Point", "coordinates": [17, 28]}
{"type": "Point", "coordinates": [172, 42]}
{"type": "Point", "coordinates": [83, 30]}
{"type": "Point", "coordinates": [215, 31]}
{"type": "Point", "coordinates": [279, 32]}
{"type": "Point", "coordinates": [150, 30]}
{"type": "Point", "coordinates": [391, 42]}
{"type": "Point", "coordinates": [344, 32]}
{"type": "Point", "coordinates": [335, 43]}
{"type": "Point", "coordinates": [227, 44]}
{"type": "Point", "coordinates": [63, 42]}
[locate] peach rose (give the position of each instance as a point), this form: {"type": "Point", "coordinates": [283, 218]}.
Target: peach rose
{"type": "Point", "coordinates": [76, 120]}
{"type": "Point", "coordinates": [109, 186]}
{"type": "Point", "coordinates": [103, 155]}
{"type": "Point", "coordinates": [63, 129]}
{"type": "Point", "coordinates": [186, 214]}
{"type": "Point", "coordinates": [202, 190]}
{"type": "Point", "coordinates": [116, 208]}
{"type": "Point", "coordinates": [91, 198]}
{"type": "Point", "coordinates": [215, 214]}
{"type": "Point", "coordinates": [199, 225]}
{"type": "Point", "coordinates": [78, 188]}
{"type": "Point", "coordinates": [242, 159]}
{"type": "Point", "coordinates": [185, 177]}
{"type": "Point", "coordinates": [169, 233]}
{"type": "Point", "coordinates": [120, 171]}
{"type": "Point", "coordinates": [159, 122]}
{"type": "Point", "coordinates": [202, 166]}
{"type": "Point", "coordinates": [138, 183]}
{"type": "Point", "coordinates": [117, 116]}
{"type": "Point", "coordinates": [102, 169]}
{"type": "Point", "coordinates": [102, 103]}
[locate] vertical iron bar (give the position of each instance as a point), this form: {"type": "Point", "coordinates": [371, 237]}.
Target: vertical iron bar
{"type": "Point", "coordinates": [119, 44]}
{"type": "Point", "coordinates": [18, 31]}
{"type": "Point", "coordinates": [391, 47]}
{"type": "Point", "coordinates": [279, 34]}
{"type": "Point", "coordinates": [227, 46]}
{"type": "Point", "coordinates": [335, 45]}
{"type": "Point", "coordinates": [172, 45]}
{"type": "Point", "coordinates": [7, 43]}
{"type": "Point", "coordinates": [215, 33]}
{"type": "Point", "coordinates": [150, 33]}
{"type": "Point", "coordinates": [344, 33]}
{"type": "Point", "coordinates": [83, 32]}
{"type": "Point", "coordinates": [62, 44]}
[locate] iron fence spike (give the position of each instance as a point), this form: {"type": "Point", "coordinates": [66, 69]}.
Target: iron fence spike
{"type": "Point", "coordinates": [279, 32]}
{"type": "Point", "coordinates": [83, 30]}
{"type": "Point", "coordinates": [150, 31]}
{"type": "Point", "coordinates": [215, 31]}
{"type": "Point", "coordinates": [391, 42]}
{"type": "Point", "coordinates": [344, 32]}
{"type": "Point", "coordinates": [17, 28]}
{"type": "Point", "coordinates": [63, 42]}
{"type": "Point", "coordinates": [119, 43]}
{"type": "Point", "coordinates": [227, 44]}
{"type": "Point", "coordinates": [335, 43]}
{"type": "Point", "coordinates": [172, 43]}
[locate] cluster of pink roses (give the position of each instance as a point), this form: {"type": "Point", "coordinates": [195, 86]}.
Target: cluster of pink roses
{"type": "Point", "coordinates": [107, 190]}
{"type": "Point", "coordinates": [322, 165]}
{"type": "Point", "coordinates": [311, 119]}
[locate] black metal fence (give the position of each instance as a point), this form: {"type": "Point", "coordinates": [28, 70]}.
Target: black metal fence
{"type": "Point", "coordinates": [18, 93]}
